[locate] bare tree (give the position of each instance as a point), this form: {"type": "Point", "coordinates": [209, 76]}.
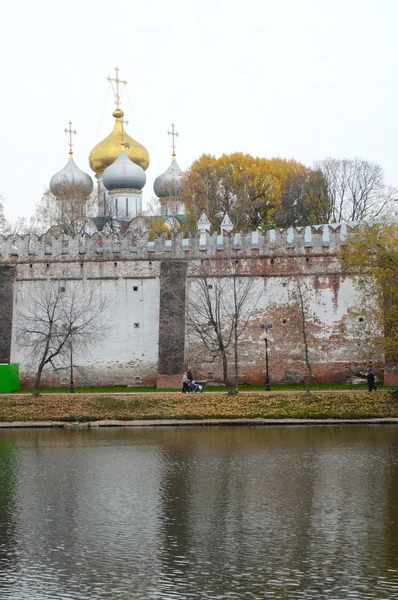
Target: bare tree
{"type": "Point", "coordinates": [356, 188]}
{"type": "Point", "coordinates": [68, 213]}
{"type": "Point", "coordinates": [152, 208]}
{"type": "Point", "coordinates": [302, 301]}
{"type": "Point", "coordinates": [218, 311]}
{"type": "Point", "coordinates": [19, 227]}
{"type": "Point", "coordinates": [54, 315]}
{"type": "Point", "coordinates": [300, 295]}
{"type": "Point", "coordinates": [3, 220]}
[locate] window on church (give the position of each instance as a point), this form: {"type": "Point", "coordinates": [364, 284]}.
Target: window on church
{"type": "Point", "coordinates": [127, 207]}
{"type": "Point", "coordinates": [116, 207]}
{"type": "Point", "coordinates": [136, 325]}
{"type": "Point", "coordinates": [135, 288]}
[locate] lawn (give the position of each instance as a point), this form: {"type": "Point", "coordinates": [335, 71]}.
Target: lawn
{"type": "Point", "coordinates": [280, 387]}
{"type": "Point", "coordinates": [253, 405]}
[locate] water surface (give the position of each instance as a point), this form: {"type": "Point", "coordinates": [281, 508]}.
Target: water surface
{"type": "Point", "coordinates": [199, 513]}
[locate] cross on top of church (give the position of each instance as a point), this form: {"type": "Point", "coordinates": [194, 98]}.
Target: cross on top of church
{"type": "Point", "coordinates": [173, 134]}
{"type": "Point", "coordinates": [117, 82]}
{"type": "Point", "coordinates": [71, 132]}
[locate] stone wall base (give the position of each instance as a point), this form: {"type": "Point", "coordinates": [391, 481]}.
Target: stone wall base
{"type": "Point", "coordinates": [122, 375]}
{"type": "Point", "coordinates": [169, 381]}
{"type": "Point", "coordinates": [391, 376]}
{"type": "Point", "coordinates": [282, 371]}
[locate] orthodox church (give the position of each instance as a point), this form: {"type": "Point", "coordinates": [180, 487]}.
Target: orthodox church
{"type": "Point", "coordinates": [119, 163]}
{"type": "Point", "coordinates": [150, 282]}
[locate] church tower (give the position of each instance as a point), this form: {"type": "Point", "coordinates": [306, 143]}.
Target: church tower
{"type": "Point", "coordinates": [167, 186]}
{"type": "Point", "coordinates": [70, 175]}
{"type": "Point", "coordinates": [119, 183]}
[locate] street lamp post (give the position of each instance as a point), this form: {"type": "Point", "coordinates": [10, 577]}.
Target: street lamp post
{"type": "Point", "coordinates": [71, 384]}
{"type": "Point", "coordinates": [266, 327]}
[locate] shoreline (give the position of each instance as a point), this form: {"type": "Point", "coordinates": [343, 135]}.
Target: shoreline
{"type": "Point", "coordinates": [194, 423]}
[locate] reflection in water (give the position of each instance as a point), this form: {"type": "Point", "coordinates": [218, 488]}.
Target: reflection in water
{"type": "Point", "coordinates": [234, 512]}
{"type": "Point", "coordinates": [8, 480]}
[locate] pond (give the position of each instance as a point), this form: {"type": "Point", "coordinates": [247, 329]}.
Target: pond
{"type": "Point", "coordinates": [199, 513]}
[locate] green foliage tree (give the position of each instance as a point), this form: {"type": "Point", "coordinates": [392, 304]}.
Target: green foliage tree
{"type": "Point", "coordinates": [304, 200]}
{"type": "Point", "coordinates": [370, 256]}
{"type": "Point", "coordinates": [260, 192]}
{"type": "Point", "coordinates": [247, 188]}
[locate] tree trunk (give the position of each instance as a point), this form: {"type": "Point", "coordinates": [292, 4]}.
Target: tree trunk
{"type": "Point", "coordinates": [225, 373]}
{"type": "Point", "coordinates": [236, 355]}
{"type": "Point", "coordinates": [36, 387]}
{"type": "Point", "coordinates": [307, 356]}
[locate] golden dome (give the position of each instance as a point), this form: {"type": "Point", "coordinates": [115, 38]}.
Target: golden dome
{"type": "Point", "coordinates": [106, 152]}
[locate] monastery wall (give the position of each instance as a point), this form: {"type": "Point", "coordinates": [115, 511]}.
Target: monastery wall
{"type": "Point", "coordinates": [147, 284]}
{"type": "Point", "coordinates": [127, 354]}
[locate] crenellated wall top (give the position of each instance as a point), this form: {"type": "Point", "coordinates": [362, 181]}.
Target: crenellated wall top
{"type": "Point", "coordinates": [131, 245]}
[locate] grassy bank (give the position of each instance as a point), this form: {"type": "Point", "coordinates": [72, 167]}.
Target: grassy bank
{"type": "Point", "coordinates": [276, 387]}
{"type": "Point", "coordinates": [90, 407]}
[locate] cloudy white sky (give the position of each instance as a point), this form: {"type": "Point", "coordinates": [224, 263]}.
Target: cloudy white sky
{"type": "Point", "coordinates": [301, 79]}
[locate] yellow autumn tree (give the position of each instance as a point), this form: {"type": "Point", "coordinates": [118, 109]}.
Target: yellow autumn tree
{"type": "Point", "coordinates": [249, 189]}
{"type": "Point", "coordinates": [370, 256]}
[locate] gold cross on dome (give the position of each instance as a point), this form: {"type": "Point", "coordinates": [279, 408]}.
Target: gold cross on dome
{"type": "Point", "coordinates": [117, 82]}
{"type": "Point", "coordinates": [173, 134]}
{"type": "Point", "coordinates": [71, 132]}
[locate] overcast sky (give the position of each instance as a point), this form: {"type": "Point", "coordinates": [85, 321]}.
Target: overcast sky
{"type": "Point", "coordinates": [302, 79]}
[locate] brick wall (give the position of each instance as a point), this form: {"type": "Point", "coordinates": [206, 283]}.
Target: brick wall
{"type": "Point", "coordinates": [171, 322]}
{"type": "Point", "coordinates": [7, 274]}
{"type": "Point", "coordinates": [147, 283]}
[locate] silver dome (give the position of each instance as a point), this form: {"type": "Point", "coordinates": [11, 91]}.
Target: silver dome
{"type": "Point", "coordinates": [170, 182]}
{"type": "Point", "coordinates": [123, 174]}
{"type": "Point", "coordinates": [70, 175]}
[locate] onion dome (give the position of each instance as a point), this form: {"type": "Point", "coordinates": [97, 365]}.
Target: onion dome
{"type": "Point", "coordinates": [124, 174]}
{"type": "Point", "coordinates": [169, 183]}
{"type": "Point", "coordinates": [106, 152]}
{"type": "Point", "coordinates": [70, 175]}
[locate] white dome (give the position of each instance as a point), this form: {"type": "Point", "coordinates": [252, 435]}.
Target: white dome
{"type": "Point", "coordinates": [123, 174]}
{"type": "Point", "coordinates": [70, 175]}
{"type": "Point", "coordinates": [170, 182]}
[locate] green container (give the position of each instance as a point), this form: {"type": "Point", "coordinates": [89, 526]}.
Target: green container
{"type": "Point", "coordinates": [9, 378]}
